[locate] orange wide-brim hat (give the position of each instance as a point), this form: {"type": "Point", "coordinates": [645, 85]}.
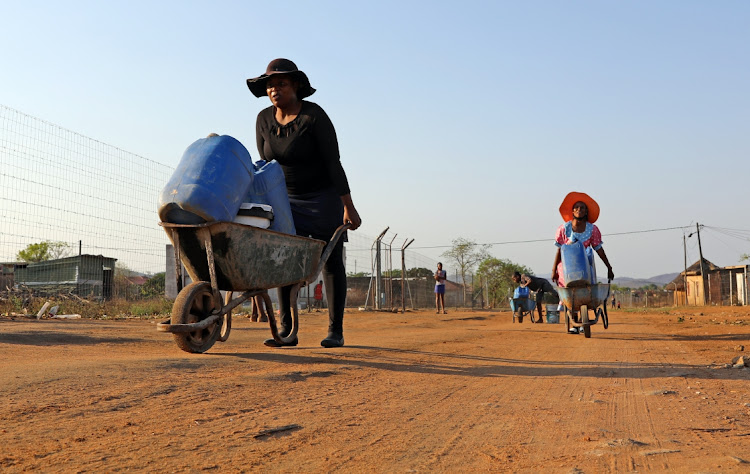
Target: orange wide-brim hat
{"type": "Point", "coordinates": [566, 208]}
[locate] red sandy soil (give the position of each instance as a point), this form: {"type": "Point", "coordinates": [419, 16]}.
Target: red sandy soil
{"type": "Point", "coordinates": [461, 392]}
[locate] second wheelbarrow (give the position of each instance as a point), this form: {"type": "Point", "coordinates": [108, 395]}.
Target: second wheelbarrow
{"type": "Point", "coordinates": [578, 301]}
{"type": "Point", "coordinates": [522, 307]}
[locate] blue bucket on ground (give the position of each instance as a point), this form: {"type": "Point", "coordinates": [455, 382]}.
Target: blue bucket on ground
{"type": "Point", "coordinates": [209, 184]}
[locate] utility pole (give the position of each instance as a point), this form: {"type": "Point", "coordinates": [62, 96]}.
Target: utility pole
{"type": "Point", "coordinates": [704, 278]}
{"type": "Point", "coordinates": [684, 274]}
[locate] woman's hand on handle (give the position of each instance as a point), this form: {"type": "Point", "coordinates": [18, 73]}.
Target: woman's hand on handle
{"type": "Point", "coordinates": [603, 256]}
{"type": "Point", "coordinates": [351, 216]}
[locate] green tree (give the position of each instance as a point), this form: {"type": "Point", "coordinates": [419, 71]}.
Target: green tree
{"type": "Point", "coordinates": [43, 251]}
{"type": "Point", "coordinates": [358, 274]}
{"type": "Point", "coordinates": [154, 286]}
{"type": "Point", "coordinates": [411, 273]}
{"type": "Point", "coordinates": [466, 254]}
{"type": "Point", "coordinates": [419, 272]}
{"type": "Point", "coordinates": [497, 275]}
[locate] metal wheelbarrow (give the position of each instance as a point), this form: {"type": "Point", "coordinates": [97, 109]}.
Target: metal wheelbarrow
{"type": "Point", "coordinates": [232, 257]}
{"type": "Point", "coordinates": [579, 301]}
{"type": "Point", "coordinates": [522, 307]}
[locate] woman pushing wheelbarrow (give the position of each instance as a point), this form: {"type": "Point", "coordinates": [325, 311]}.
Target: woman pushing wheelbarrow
{"type": "Point", "coordinates": [223, 255]}
{"type": "Point", "coordinates": [300, 136]}
{"type": "Point", "coordinates": [574, 270]}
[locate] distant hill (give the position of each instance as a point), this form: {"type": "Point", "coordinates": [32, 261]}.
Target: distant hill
{"type": "Point", "coordinates": [658, 280]}
{"type": "Point", "coordinates": [665, 278]}
{"type": "Point", "coordinates": [627, 282]}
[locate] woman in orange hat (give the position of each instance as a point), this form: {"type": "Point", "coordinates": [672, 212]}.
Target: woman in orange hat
{"type": "Point", "coordinates": [579, 211]}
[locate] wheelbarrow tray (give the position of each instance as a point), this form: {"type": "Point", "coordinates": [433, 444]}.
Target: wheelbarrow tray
{"type": "Point", "coordinates": [525, 304]}
{"type": "Point", "coordinates": [590, 296]}
{"type": "Point", "coordinates": [245, 257]}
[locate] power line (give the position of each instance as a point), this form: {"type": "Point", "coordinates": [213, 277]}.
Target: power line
{"type": "Point", "coordinates": [739, 234]}
{"type": "Point", "coordinates": [548, 239]}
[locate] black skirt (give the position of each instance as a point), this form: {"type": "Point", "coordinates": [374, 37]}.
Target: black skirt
{"type": "Point", "coordinates": [318, 214]}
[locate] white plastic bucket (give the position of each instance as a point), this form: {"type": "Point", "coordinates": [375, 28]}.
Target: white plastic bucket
{"type": "Point", "coordinates": [254, 214]}
{"type": "Point", "coordinates": [553, 314]}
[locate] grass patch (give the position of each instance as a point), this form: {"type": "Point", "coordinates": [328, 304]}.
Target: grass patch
{"type": "Point", "coordinates": [111, 309]}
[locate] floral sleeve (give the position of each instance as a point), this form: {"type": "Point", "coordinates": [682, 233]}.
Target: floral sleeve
{"type": "Point", "coordinates": [595, 241]}
{"type": "Point", "coordinates": [560, 238]}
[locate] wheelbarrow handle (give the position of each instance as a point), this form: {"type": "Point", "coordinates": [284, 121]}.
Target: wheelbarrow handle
{"type": "Point", "coordinates": [328, 250]}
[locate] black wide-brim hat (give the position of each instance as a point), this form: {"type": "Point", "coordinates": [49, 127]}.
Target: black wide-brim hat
{"type": "Point", "coordinates": [257, 85]}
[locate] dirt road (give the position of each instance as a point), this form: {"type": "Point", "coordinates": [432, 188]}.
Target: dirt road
{"type": "Point", "coordinates": [462, 392]}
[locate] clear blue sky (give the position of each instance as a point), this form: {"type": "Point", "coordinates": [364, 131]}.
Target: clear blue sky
{"type": "Point", "coordinates": [455, 119]}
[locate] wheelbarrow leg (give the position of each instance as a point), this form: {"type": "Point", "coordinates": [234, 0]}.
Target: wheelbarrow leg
{"type": "Point", "coordinates": [292, 336]}
{"type": "Point", "coordinates": [177, 260]}
{"type": "Point", "coordinates": [206, 236]}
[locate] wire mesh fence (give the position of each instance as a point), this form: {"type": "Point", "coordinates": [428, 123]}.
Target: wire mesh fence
{"type": "Point", "coordinates": [65, 195]}
{"type": "Point", "coordinates": [79, 217]}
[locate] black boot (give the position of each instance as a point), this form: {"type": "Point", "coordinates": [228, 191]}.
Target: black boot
{"type": "Point", "coordinates": [333, 340]}
{"type": "Point", "coordinates": [274, 343]}
{"type": "Point", "coordinates": [335, 336]}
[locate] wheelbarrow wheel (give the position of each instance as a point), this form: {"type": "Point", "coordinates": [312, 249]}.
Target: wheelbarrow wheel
{"type": "Point", "coordinates": [585, 321]}
{"type": "Point", "coordinates": [194, 304]}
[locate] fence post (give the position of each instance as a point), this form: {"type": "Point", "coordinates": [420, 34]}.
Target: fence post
{"type": "Point", "coordinates": [403, 274]}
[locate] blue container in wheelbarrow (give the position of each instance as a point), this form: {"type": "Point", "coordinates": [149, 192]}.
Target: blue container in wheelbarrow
{"type": "Point", "coordinates": [576, 264]}
{"type": "Point", "coordinates": [209, 184]}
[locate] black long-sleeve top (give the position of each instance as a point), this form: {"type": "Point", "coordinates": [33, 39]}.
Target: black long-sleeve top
{"type": "Point", "coordinates": [306, 148]}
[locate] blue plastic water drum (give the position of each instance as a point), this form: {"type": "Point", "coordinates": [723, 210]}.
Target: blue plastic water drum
{"type": "Point", "coordinates": [592, 264]}
{"type": "Point", "coordinates": [209, 184]}
{"type": "Point", "coordinates": [575, 263]}
{"type": "Point", "coordinates": [269, 187]}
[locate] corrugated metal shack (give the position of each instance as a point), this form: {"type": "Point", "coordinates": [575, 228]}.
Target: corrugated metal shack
{"type": "Point", "coordinates": [88, 276]}
{"type": "Point", "coordinates": [726, 286]}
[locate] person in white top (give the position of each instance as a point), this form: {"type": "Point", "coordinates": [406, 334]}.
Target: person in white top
{"type": "Point", "coordinates": [440, 277]}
